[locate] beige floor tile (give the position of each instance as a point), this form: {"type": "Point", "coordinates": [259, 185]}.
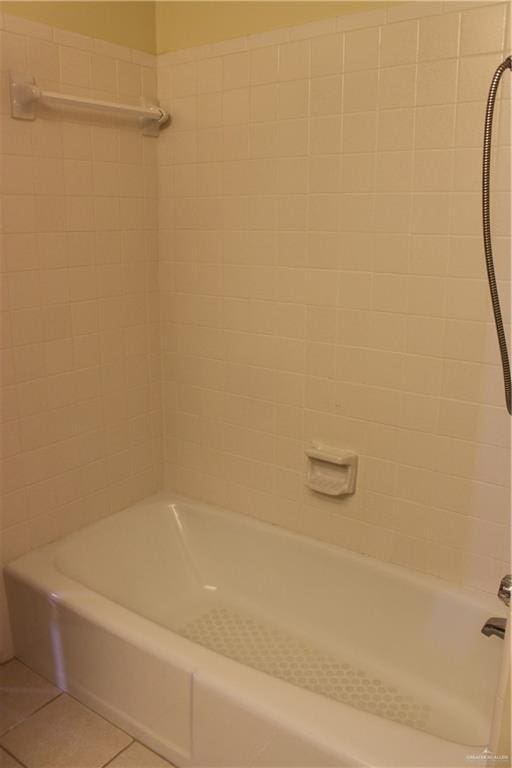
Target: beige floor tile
{"type": "Point", "coordinates": [6, 761]}
{"type": "Point", "coordinates": [65, 734]}
{"type": "Point", "coordinates": [21, 693]}
{"type": "Point", "coordinates": [137, 756]}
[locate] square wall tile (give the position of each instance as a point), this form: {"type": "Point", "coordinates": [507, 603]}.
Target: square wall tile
{"type": "Point", "coordinates": [399, 43]}
{"type": "Point", "coordinates": [361, 49]}
{"type": "Point", "coordinates": [326, 55]}
{"type": "Point", "coordinates": [483, 30]}
{"type": "Point", "coordinates": [294, 60]}
{"type": "Point", "coordinates": [439, 37]}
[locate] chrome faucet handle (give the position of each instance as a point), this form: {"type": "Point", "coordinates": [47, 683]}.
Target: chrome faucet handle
{"type": "Point", "coordinates": [505, 589]}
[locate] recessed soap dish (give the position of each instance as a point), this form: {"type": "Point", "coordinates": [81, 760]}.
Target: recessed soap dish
{"type": "Point", "coordinates": [331, 470]}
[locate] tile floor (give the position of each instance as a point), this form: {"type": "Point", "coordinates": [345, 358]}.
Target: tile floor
{"type": "Point", "coordinates": [41, 727]}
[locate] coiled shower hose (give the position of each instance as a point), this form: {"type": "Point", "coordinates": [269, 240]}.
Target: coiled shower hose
{"type": "Point", "coordinates": [486, 219]}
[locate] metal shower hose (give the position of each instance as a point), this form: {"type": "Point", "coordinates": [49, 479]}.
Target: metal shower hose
{"type": "Point", "coordinates": [486, 219]}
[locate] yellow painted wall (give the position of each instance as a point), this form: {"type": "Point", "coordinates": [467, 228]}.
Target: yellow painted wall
{"type": "Point", "coordinates": [129, 23]}
{"type": "Point", "coordinates": [186, 24]}
{"type": "Point", "coordinates": [166, 25]}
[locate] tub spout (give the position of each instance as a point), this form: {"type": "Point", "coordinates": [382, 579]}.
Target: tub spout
{"type": "Point", "coordinates": [494, 626]}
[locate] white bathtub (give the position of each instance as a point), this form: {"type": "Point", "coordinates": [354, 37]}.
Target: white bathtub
{"type": "Point", "coordinates": [124, 614]}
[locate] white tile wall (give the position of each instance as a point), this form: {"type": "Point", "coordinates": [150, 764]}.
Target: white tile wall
{"type": "Point", "coordinates": [80, 398]}
{"type": "Point", "coordinates": [322, 277]}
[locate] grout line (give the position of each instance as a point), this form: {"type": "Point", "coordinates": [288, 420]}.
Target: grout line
{"type": "Point", "coordinates": [118, 753]}
{"type": "Point", "coordinates": [14, 756]}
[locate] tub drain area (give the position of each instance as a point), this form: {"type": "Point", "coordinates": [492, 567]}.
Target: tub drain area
{"type": "Point", "coordinates": [263, 647]}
